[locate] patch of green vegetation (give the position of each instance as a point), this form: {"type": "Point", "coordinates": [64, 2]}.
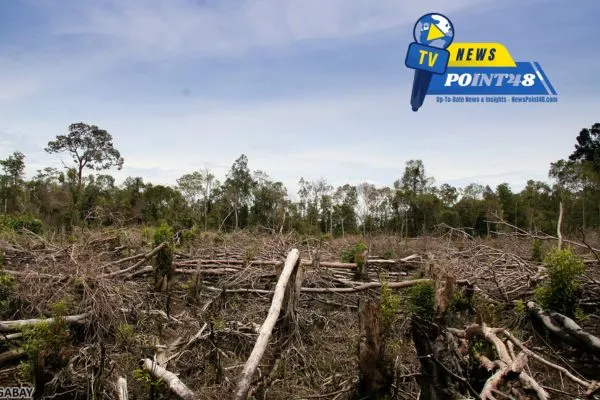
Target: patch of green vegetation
{"type": "Point", "coordinates": [520, 307]}
{"type": "Point", "coordinates": [459, 301]}
{"type": "Point", "coordinates": [388, 306]}
{"type": "Point", "coordinates": [7, 290]}
{"type": "Point", "coordinates": [352, 254]}
{"type": "Point", "coordinates": [564, 273]}
{"type": "Point", "coordinates": [47, 340]}
{"type": "Point", "coordinates": [249, 253]}
{"type": "Point", "coordinates": [18, 222]}
{"type": "Point", "coordinates": [421, 300]}
{"type": "Point", "coordinates": [147, 380]}
{"type": "Point", "coordinates": [536, 251]}
{"type": "Point", "coordinates": [125, 335]}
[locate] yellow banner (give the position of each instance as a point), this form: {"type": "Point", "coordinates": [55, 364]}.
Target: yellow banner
{"type": "Point", "coordinates": [479, 55]}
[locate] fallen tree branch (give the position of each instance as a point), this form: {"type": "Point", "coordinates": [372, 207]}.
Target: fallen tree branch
{"type": "Point", "coordinates": [175, 385]}
{"type": "Point", "coordinates": [267, 327]}
{"type": "Point", "coordinates": [122, 389]}
{"type": "Point", "coordinates": [369, 285]}
{"type": "Point", "coordinates": [137, 264]}
{"type": "Point", "coordinates": [566, 329]}
{"type": "Point", "coordinates": [10, 326]}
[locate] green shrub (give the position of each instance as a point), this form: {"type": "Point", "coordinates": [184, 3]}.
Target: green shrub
{"type": "Point", "coordinates": [421, 299]}
{"type": "Point", "coordinates": [536, 251]}
{"type": "Point", "coordinates": [388, 306]}
{"type": "Point", "coordinates": [125, 335]}
{"type": "Point", "coordinates": [564, 273]}
{"type": "Point", "coordinates": [163, 233]}
{"type": "Point", "coordinates": [7, 289]}
{"type": "Point", "coordinates": [18, 222]}
{"type": "Point", "coordinates": [352, 253]}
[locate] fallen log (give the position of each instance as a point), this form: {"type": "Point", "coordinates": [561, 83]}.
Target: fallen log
{"type": "Point", "coordinates": [304, 262]}
{"type": "Point", "coordinates": [565, 329]}
{"type": "Point", "coordinates": [122, 389]}
{"type": "Point", "coordinates": [291, 263]}
{"type": "Point", "coordinates": [137, 264]}
{"type": "Point", "coordinates": [175, 385]}
{"type": "Point", "coordinates": [358, 288]}
{"type": "Point", "coordinates": [369, 285]}
{"type": "Point", "coordinates": [10, 326]}
{"type": "Point", "coordinates": [144, 256]}
{"type": "Point", "coordinates": [11, 356]}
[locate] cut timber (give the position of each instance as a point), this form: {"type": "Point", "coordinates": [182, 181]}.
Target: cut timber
{"type": "Point", "coordinates": [11, 356]}
{"type": "Point", "coordinates": [122, 389]}
{"type": "Point", "coordinates": [137, 264]}
{"type": "Point", "coordinates": [176, 386]}
{"type": "Point", "coordinates": [266, 329]}
{"type": "Point", "coordinates": [376, 374]}
{"type": "Point", "coordinates": [369, 285]}
{"type": "Point", "coordinates": [566, 329]}
{"type": "Point", "coordinates": [10, 326]}
{"type": "Point", "coordinates": [361, 265]}
{"type": "Point", "coordinates": [292, 297]}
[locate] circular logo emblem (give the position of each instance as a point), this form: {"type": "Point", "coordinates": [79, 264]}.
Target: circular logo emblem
{"type": "Point", "coordinates": [434, 30]}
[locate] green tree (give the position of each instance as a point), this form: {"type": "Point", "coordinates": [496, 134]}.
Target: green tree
{"type": "Point", "coordinates": [587, 148]}
{"type": "Point", "coordinates": [238, 186]}
{"type": "Point", "coordinates": [11, 181]}
{"type": "Point", "coordinates": [89, 146]}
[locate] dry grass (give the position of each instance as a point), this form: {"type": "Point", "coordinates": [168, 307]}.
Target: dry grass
{"type": "Point", "coordinates": [128, 317]}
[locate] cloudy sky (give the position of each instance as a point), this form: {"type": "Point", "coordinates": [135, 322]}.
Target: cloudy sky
{"type": "Point", "coordinates": [304, 88]}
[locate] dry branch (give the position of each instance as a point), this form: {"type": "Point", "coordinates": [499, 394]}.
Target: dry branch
{"type": "Point", "coordinates": [176, 386]}
{"type": "Point", "coordinates": [146, 256]}
{"type": "Point", "coordinates": [9, 326]}
{"type": "Point", "coordinates": [507, 363]}
{"type": "Point", "coordinates": [369, 285]}
{"type": "Point", "coordinates": [566, 329]}
{"type": "Point", "coordinates": [122, 389]}
{"type": "Point", "coordinates": [265, 330]}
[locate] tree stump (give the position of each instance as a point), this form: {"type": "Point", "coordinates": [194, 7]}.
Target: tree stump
{"type": "Point", "coordinates": [376, 372]}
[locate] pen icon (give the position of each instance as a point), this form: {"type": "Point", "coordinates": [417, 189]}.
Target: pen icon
{"type": "Point", "coordinates": [433, 33]}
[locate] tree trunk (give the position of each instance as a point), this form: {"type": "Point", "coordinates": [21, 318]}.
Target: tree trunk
{"type": "Point", "coordinates": [376, 372]}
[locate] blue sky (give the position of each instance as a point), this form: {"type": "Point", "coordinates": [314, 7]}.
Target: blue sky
{"type": "Point", "coordinates": [305, 88]}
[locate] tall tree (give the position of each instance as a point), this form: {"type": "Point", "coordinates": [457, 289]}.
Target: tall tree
{"type": "Point", "coordinates": [587, 147]}
{"type": "Point", "coordinates": [89, 146]}
{"type": "Point", "coordinates": [11, 181]}
{"type": "Point", "coordinates": [238, 186]}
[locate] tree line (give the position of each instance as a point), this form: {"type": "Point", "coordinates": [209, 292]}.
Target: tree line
{"type": "Point", "coordinates": [84, 193]}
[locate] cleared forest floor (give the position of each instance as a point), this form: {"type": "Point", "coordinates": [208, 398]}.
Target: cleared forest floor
{"type": "Point", "coordinates": [204, 327]}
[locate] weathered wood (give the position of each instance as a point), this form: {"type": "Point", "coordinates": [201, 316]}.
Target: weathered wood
{"type": "Point", "coordinates": [559, 224]}
{"type": "Point", "coordinates": [292, 297]}
{"type": "Point", "coordinates": [10, 326]}
{"type": "Point", "coordinates": [136, 265]}
{"type": "Point", "coordinates": [565, 329]}
{"type": "Point", "coordinates": [122, 389]}
{"type": "Point", "coordinates": [376, 373]}
{"type": "Point", "coordinates": [368, 285]}
{"type": "Point", "coordinates": [175, 385]}
{"type": "Point", "coordinates": [266, 329]}
{"type": "Point", "coordinates": [11, 356]}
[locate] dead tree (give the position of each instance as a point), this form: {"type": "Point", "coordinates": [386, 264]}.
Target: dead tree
{"type": "Point", "coordinates": [283, 286]}
{"type": "Point", "coordinates": [442, 374]}
{"type": "Point", "coordinates": [376, 371]}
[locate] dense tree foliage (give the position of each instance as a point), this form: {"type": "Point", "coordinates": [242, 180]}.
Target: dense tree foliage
{"type": "Point", "coordinates": [413, 205]}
